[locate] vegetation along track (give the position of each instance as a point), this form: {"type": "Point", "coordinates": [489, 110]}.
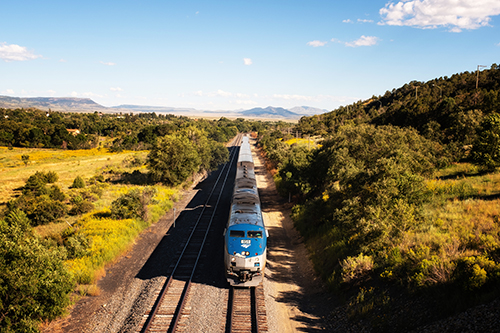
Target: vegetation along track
{"type": "Point", "coordinates": [246, 310]}
{"type": "Point", "coordinates": [166, 314]}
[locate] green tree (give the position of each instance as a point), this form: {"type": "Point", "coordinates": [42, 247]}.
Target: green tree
{"type": "Point", "coordinates": [34, 284]}
{"type": "Point", "coordinates": [486, 149]}
{"type": "Point", "coordinates": [219, 155]}
{"type": "Point", "coordinates": [173, 159]}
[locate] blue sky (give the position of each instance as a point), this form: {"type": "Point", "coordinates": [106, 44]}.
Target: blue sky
{"type": "Point", "coordinates": [233, 54]}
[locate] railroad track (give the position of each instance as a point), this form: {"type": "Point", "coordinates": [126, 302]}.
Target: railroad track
{"type": "Point", "coordinates": [169, 307]}
{"type": "Point", "coordinates": [246, 310]}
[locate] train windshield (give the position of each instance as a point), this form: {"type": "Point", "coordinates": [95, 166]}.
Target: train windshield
{"type": "Point", "coordinates": [236, 233]}
{"type": "Point", "coordinates": [254, 234]}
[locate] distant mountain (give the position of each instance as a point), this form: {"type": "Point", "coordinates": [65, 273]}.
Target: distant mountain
{"type": "Point", "coordinates": [270, 112]}
{"type": "Point", "coordinates": [70, 104]}
{"type": "Point", "coordinates": [53, 103]}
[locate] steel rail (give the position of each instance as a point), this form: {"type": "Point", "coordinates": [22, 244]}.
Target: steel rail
{"type": "Point", "coordinates": [156, 306]}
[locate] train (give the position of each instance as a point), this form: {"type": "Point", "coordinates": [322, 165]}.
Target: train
{"type": "Point", "coordinates": [245, 236]}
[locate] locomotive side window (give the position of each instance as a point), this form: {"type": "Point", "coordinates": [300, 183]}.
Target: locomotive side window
{"type": "Point", "coordinates": [236, 233]}
{"type": "Point", "coordinates": [254, 234]}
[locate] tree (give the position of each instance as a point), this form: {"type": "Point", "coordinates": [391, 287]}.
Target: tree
{"type": "Point", "coordinates": [173, 159]}
{"type": "Point", "coordinates": [220, 155]}
{"type": "Point", "coordinates": [34, 284]}
{"type": "Point", "coordinates": [486, 149]}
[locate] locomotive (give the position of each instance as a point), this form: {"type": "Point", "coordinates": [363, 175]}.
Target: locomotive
{"type": "Point", "coordinates": [245, 236]}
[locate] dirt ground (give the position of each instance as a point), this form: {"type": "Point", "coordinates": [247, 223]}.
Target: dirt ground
{"type": "Point", "coordinates": [291, 280]}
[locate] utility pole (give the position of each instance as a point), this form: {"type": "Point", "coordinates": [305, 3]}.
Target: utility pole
{"type": "Point", "coordinates": [477, 75]}
{"type": "Point", "coordinates": [441, 90]}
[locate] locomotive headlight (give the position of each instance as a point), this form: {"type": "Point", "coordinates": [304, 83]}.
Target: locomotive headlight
{"type": "Point", "coordinates": [247, 253]}
{"type": "Point", "coordinates": [233, 259]}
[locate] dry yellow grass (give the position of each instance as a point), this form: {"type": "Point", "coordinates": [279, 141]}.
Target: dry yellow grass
{"type": "Point", "coordinates": [66, 163]}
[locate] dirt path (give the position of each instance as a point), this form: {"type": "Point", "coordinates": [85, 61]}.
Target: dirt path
{"type": "Point", "coordinates": [293, 291]}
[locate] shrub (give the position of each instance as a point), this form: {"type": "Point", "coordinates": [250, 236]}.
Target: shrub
{"type": "Point", "coordinates": [51, 177]}
{"type": "Point", "coordinates": [474, 272]}
{"type": "Point", "coordinates": [355, 268]}
{"type": "Point", "coordinates": [134, 161]}
{"type": "Point", "coordinates": [134, 204]}
{"type": "Point", "coordinates": [26, 159]}
{"type": "Point", "coordinates": [35, 284]}
{"type": "Point", "coordinates": [56, 193]}
{"type": "Point", "coordinates": [82, 207]}
{"type": "Point", "coordinates": [35, 185]}
{"type": "Point", "coordinates": [96, 179]}
{"type": "Point", "coordinates": [76, 243]}
{"type": "Point", "coordinates": [45, 210]}
{"type": "Point", "coordinates": [78, 182]}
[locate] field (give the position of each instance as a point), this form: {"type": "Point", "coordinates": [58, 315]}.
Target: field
{"type": "Point", "coordinates": [107, 237]}
{"type": "Point", "coordinates": [66, 163]}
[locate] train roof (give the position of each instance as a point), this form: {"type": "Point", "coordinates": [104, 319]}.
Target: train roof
{"type": "Point", "coordinates": [245, 151]}
{"type": "Point", "coordinates": [246, 214]}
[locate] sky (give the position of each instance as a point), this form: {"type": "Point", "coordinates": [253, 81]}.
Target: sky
{"type": "Point", "coordinates": [239, 54]}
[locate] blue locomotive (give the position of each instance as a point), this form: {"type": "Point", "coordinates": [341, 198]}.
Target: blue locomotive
{"type": "Point", "coordinates": [245, 237]}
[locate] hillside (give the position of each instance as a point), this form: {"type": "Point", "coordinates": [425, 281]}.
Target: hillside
{"type": "Point", "coordinates": [53, 103]}
{"type": "Point", "coordinates": [397, 199]}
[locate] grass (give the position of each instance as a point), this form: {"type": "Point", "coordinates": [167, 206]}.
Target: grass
{"type": "Point", "coordinates": [66, 163]}
{"type": "Point", "coordinates": [109, 238]}
{"type": "Point", "coordinates": [309, 142]}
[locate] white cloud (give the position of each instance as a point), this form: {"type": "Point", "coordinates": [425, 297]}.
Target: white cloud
{"type": "Point", "coordinates": [116, 89]}
{"type": "Point", "coordinates": [107, 63]}
{"type": "Point", "coordinates": [347, 21]}
{"type": "Point", "coordinates": [363, 41]}
{"type": "Point", "coordinates": [430, 14]}
{"type": "Point", "coordinates": [316, 43]}
{"type": "Point", "coordinates": [15, 52]}
{"type": "Point", "coordinates": [247, 61]}
{"type": "Point", "coordinates": [62, 60]}
{"type": "Point", "coordinates": [365, 21]}
{"type": "Point", "coordinates": [8, 92]}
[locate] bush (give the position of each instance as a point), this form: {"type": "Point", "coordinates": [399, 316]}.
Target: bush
{"type": "Point", "coordinates": [132, 205]}
{"type": "Point", "coordinates": [78, 182]}
{"type": "Point", "coordinates": [474, 272]}
{"type": "Point", "coordinates": [45, 210]}
{"type": "Point", "coordinates": [35, 284]}
{"type": "Point", "coordinates": [36, 185]}
{"type": "Point", "coordinates": [76, 243]}
{"type": "Point", "coordinates": [51, 177]}
{"type": "Point", "coordinates": [355, 268]}
{"type": "Point", "coordinates": [56, 193]}
{"type": "Point", "coordinates": [81, 207]}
